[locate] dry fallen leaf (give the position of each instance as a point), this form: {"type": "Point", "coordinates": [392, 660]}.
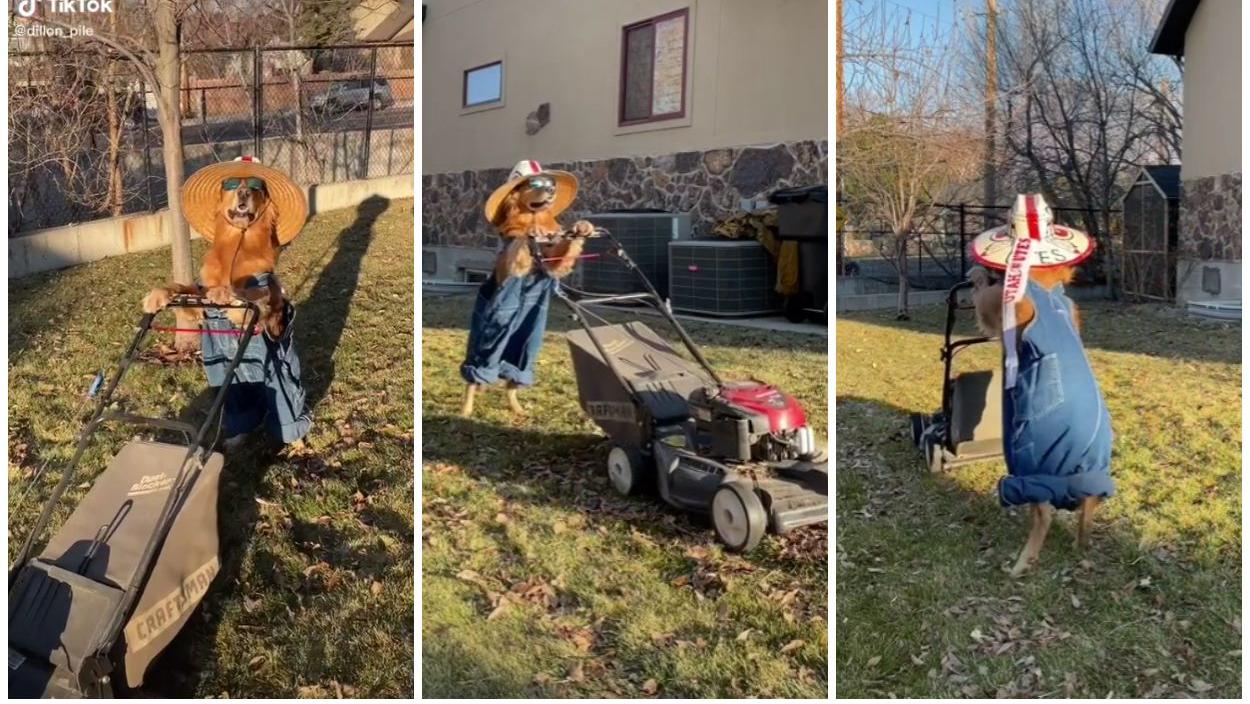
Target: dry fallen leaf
{"type": "Point", "coordinates": [255, 663]}
{"type": "Point", "coordinates": [650, 687]}
{"type": "Point", "coordinates": [1200, 686]}
{"type": "Point", "coordinates": [792, 646]}
{"type": "Point", "coordinates": [872, 661]}
{"type": "Point", "coordinates": [376, 588]}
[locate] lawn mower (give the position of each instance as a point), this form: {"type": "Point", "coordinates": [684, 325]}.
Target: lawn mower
{"type": "Point", "coordinates": [969, 427]}
{"type": "Point", "coordinates": [111, 588]}
{"type": "Point", "coordinates": [740, 451]}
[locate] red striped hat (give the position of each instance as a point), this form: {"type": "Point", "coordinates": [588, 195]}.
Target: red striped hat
{"type": "Point", "coordinates": [1050, 245]}
{"type": "Point", "coordinates": [566, 189]}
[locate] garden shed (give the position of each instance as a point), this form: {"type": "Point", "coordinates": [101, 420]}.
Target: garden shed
{"type": "Point", "coordinates": [1151, 212]}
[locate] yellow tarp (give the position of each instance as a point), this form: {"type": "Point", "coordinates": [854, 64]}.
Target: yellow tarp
{"type": "Point", "coordinates": [763, 227]}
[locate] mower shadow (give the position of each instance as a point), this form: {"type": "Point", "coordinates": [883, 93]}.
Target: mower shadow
{"type": "Point", "coordinates": [321, 316]}
{"type": "Point", "coordinates": [563, 470]}
{"type": "Point", "coordinates": [1146, 329]}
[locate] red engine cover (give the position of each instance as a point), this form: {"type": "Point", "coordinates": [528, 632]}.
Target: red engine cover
{"type": "Point", "coordinates": [782, 411]}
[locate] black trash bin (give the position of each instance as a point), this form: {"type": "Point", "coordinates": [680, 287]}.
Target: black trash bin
{"type": "Point", "coordinates": [803, 216]}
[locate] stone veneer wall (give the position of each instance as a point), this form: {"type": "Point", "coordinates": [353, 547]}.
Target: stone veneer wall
{"type": "Point", "coordinates": [709, 185]}
{"type": "Point", "coordinates": [1210, 223]}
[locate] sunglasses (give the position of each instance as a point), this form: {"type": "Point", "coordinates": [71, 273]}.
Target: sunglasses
{"type": "Point", "coordinates": [541, 183]}
{"type": "Point", "coordinates": [232, 184]}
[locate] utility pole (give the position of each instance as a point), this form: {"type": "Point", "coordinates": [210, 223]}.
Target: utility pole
{"type": "Point", "coordinates": [991, 101]}
{"type": "Point", "coordinates": [840, 95]}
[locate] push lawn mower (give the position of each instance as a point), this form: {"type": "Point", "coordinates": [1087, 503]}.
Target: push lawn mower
{"type": "Point", "coordinates": [969, 428]}
{"type": "Point", "coordinates": [741, 451]}
{"type": "Point", "coordinates": [113, 586]}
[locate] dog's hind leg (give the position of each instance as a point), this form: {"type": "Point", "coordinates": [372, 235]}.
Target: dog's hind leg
{"type": "Point", "coordinates": [513, 402]}
{"type": "Point", "coordinates": [1085, 521]}
{"type": "Point", "coordinates": [1041, 514]}
{"type": "Point", "coordinates": [470, 391]}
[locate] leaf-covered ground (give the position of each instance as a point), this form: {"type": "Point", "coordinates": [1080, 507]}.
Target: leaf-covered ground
{"type": "Point", "coordinates": [924, 605]}
{"type": "Point", "coordinates": [315, 593]}
{"type": "Point", "coordinates": [539, 581]}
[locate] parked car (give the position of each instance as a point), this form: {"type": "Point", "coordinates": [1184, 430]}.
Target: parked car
{"type": "Point", "coordinates": [344, 96]}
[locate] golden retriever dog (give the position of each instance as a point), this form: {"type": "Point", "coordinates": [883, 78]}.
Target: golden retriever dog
{"type": "Point", "coordinates": [523, 211]}
{"type": "Point", "coordinates": [987, 298]}
{"type": "Point", "coordinates": [244, 245]}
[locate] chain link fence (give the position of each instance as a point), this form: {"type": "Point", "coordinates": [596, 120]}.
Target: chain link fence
{"type": "Point", "coordinates": [84, 141]}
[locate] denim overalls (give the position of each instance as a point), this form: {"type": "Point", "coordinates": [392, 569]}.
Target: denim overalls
{"type": "Point", "coordinates": [506, 331]}
{"type": "Point", "coordinates": [1056, 429]}
{"type": "Point", "coordinates": [266, 387]}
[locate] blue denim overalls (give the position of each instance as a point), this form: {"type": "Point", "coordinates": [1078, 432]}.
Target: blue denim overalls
{"type": "Point", "coordinates": [506, 331]}
{"type": "Point", "coordinates": [1056, 429]}
{"type": "Point", "coordinates": [266, 387]}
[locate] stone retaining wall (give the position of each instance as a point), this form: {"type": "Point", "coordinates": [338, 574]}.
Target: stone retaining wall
{"type": "Point", "coordinates": [709, 185]}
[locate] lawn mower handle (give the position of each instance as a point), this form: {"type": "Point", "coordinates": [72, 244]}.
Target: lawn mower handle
{"type": "Point", "coordinates": [951, 348]}
{"type": "Point", "coordinates": [650, 297]}
{"type": "Point", "coordinates": [101, 413]}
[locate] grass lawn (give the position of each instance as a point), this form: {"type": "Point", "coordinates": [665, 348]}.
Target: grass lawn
{"type": "Point", "coordinates": [539, 581]}
{"type": "Point", "coordinates": [924, 605]}
{"type": "Point", "coordinates": [314, 597]}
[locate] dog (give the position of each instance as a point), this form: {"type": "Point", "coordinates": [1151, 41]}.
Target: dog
{"type": "Point", "coordinates": [523, 210]}
{"type": "Point", "coordinates": [987, 301]}
{"type": "Point", "coordinates": [245, 245]}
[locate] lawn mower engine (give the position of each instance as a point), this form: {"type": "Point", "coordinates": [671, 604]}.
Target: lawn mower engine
{"type": "Point", "coordinates": [751, 422]}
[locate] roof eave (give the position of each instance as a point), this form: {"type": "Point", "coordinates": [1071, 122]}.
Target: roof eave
{"type": "Point", "coordinates": [1169, 37]}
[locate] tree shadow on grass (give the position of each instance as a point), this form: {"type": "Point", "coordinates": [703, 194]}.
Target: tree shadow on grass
{"type": "Point", "coordinates": [321, 317]}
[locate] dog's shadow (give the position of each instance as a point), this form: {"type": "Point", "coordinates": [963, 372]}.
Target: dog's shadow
{"type": "Point", "coordinates": [321, 317]}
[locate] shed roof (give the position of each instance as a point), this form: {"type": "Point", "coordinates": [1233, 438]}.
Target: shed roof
{"type": "Point", "coordinates": [1167, 177]}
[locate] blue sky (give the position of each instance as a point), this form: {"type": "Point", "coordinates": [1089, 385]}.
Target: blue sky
{"type": "Point", "coordinates": [926, 16]}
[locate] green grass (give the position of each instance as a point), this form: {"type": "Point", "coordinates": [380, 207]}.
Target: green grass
{"type": "Point", "coordinates": [539, 581]}
{"type": "Point", "coordinates": [924, 605]}
{"type": "Point", "coordinates": [315, 593]}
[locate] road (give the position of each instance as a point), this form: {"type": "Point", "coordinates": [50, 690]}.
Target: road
{"type": "Point", "coordinates": [397, 116]}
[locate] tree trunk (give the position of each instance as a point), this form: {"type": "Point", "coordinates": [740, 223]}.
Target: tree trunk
{"type": "Point", "coordinates": [169, 77]}
{"type": "Point", "coordinates": [114, 200]}
{"type": "Point", "coordinates": [900, 262]}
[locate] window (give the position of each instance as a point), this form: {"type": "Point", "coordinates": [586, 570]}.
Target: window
{"type": "Point", "coordinates": [653, 69]}
{"type": "Point", "coordinates": [483, 85]}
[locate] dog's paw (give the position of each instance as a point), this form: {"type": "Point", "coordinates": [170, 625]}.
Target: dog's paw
{"type": "Point", "coordinates": [156, 300]}
{"type": "Point", "coordinates": [221, 295]}
{"type": "Point", "coordinates": [583, 228]}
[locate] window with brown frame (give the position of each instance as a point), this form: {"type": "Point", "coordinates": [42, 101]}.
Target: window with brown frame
{"type": "Point", "coordinates": [653, 69]}
{"type": "Point", "coordinates": [482, 85]}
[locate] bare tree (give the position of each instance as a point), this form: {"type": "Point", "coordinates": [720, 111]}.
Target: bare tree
{"type": "Point", "coordinates": [1084, 101]}
{"type": "Point", "coordinates": [906, 137]}
{"type": "Point", "coordinates": [157, 56]}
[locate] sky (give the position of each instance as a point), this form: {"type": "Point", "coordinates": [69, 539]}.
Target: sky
{"type": "Point", "coordinates": [923, 16]}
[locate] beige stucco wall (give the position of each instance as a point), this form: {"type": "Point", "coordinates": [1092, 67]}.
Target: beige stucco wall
{"type": "Point", "coordinates": [1212, 91]}
{"type": "Point", "coordinates": [757, 75]}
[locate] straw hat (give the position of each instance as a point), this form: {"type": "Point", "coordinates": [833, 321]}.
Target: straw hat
{"type": "Point", "coordinates": [201, 195]}
{"type": "Point", "coordinates": [566, 189]}
{"type": "Point", "coordinates": [1050, 245]}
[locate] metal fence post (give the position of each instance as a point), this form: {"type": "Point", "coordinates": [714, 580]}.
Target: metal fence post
{"type": "Point", "coordinates": [963, 249]}
{"type": "Point", "coordinates": [147, 146]}
{"type": "Point", "coordinates": [373, 74]}
{"type": "Point", "coordinates": [258, 104]}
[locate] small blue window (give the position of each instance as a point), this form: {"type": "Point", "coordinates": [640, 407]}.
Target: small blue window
{"type": "Point", "coordinates": [483, 85]}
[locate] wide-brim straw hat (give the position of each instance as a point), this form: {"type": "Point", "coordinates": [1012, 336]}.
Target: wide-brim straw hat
{"type": "Point", "coordinates": [566, 189]}
{"type": "Point", "coordinates": [1052, 245]}
{"type": "Point", "coordinates": [201, 196]}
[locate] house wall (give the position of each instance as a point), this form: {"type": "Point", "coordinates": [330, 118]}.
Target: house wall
{"type": "Point", "coordinates": [756, 115]}
{"type": "Point", "coordinates": [1210, 222]}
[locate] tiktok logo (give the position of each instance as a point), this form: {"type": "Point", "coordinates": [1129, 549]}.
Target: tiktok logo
{"type": "Point", "coordinates": [26, 8]}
